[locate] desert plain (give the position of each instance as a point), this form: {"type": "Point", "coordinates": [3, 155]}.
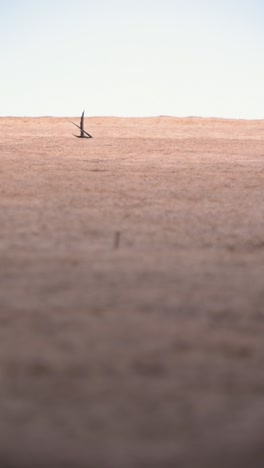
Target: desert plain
{"type": "Point", "coordinates": [132, 293]}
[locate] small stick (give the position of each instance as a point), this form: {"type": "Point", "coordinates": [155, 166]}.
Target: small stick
{"type": "Point", "coordinates": [117, 239]}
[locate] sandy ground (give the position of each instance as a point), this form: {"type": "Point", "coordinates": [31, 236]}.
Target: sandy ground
{"type": "Point", "coordinates": [142, 349]}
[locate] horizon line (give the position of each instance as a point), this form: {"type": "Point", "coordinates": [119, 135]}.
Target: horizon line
{"type": "Point", "coordinates": [128, 117]}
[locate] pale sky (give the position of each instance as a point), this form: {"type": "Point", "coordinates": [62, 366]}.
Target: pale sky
{"type": "Point", "coordinates": [132, 58]}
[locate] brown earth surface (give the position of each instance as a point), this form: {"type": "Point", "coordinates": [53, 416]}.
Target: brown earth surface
{"type": "Point", "coordinates": [132, 293]}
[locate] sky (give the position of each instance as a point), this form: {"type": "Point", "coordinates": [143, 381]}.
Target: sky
{"type": "Point", "coordinates": [132, 58]}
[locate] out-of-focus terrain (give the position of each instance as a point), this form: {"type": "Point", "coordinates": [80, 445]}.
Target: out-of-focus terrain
{"type": "Point", "coordinates": [132, 293]}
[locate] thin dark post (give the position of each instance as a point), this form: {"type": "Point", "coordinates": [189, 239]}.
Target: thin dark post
{"type": "Point", "coordinates": [81, 125]}
{"type": "Point", "coordinates": [117, 240]}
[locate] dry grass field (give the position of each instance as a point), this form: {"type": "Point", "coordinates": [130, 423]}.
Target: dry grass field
{"type": "Point", "coordinates": [132, 293]}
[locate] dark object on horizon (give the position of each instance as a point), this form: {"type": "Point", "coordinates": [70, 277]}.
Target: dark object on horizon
{"type": "Point", "coordinates": [83, 133]}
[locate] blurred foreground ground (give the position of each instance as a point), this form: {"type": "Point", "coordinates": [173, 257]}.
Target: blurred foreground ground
{"type": "Point", "coordinates": [149, 355]}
